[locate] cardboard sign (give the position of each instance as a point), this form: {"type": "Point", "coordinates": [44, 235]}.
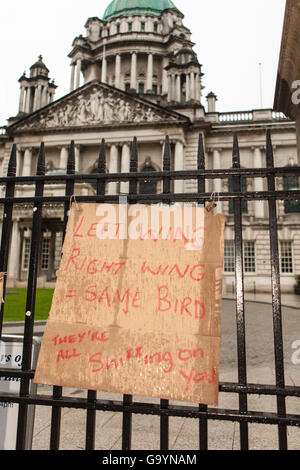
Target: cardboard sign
{"type": "Point", "coordinates": [137, 304]}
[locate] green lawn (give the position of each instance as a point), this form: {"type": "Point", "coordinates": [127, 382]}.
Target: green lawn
{"type": "Point", "coordinates": [15, 304]}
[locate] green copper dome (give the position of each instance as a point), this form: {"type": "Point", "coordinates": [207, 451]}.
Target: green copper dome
{"type": "Point", "coordinates": [130, 7]}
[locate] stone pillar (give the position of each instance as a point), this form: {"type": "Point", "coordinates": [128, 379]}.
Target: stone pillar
{"type": "Point", "coordinates": [78, 73]}
{"type": "Point", "coordinates": [133, 71]}
{"type": "Point", "coordinates": [21, 103]}
{"type": "Point", "coordinates": [149, 84]}
{"type": "Point", "coordinates": [104, 70]}
{"type": "Point", "coordinates": [35, 101]}
{"type": "Point", "coordinates": [118, 71]}
{"type": "Point", "coordinates": [14, 255]}
{"type": "Point", "coordinates": [27, 103]}
{"type": "Point", "coordinates": [39, 97]}
{"type": "Point", "coordinates": [258, 182]}
{"type": "Point", "coordinates": [192, 83]}
{"type": "Point", "coordinates": [169, 88]}
{"type": "Point", "coordinates": [72, 84]}
{"type": "Point", "coordinates": [217, 183]}
{"type": "Point", "coordinates": [77, 158]}
{"type": "Point", "coordinates": [113, 168]}
{"type": "Point", "coordinates": [187, 87]}
{"type": "Point", "coordinates": [125, 166]}
{"type": "Point", "coordinates": [173, 95]}
{"type": "Point", "coordinates": [179, 166]}
{"type": "Point", "coordinates": [198, 90]}
{"type": "Point", "coordinates": [63, 158]}
{"type": "Point", "coordinates": [178, 88]}
{"type": "Point", "coordinates": [44, 97]}
{"type": "Point", "coordinates": [165, 85]}
{"type": "Point", "coordinates": [27, 162]}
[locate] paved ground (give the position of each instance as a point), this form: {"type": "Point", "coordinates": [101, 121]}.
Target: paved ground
{"type": "Point", "coordinates": [184, 432]}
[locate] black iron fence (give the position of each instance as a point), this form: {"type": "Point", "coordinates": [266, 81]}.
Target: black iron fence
{"type": "Point", "coordinates": [128, 406]}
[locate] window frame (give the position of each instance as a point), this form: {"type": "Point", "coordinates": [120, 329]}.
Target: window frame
{"type": "Point", "coordinates": [289, 258]}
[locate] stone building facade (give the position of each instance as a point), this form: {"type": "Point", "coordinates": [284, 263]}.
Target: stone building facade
{"type": "Point", "coordinates": [135, 74]}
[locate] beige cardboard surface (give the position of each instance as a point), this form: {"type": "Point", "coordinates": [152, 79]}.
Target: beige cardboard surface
{"type": "Point", "coordinates": [138, 314]}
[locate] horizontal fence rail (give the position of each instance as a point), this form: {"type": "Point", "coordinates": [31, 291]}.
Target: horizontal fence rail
{"type": "Point", "coordinates": [129, 406]}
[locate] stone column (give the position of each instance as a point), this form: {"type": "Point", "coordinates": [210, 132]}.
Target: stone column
{"type": "Point", "coordinates": [125, 166]}
{"type": "Point", "coordinates": [149, 84]}
{"type": "Point", "coordinates": [217, 183]}
{"type": "Point", "coordinates": [78, 73]}
{"type": "Point", "coordinates": [169, 88]}
{"type": "Point", "coordinates": [72, 85]}
{"type": "Point", "coordinates": [21, 103]}
{"type": "Point", "coordinates": [258, 182]}
{"type": "Point", "coordinates": [165, 85]}
{"type": "Point", "coordinates": [118, 71]}
{"type": "Point", "coordinates": [27, 162]}
{"type": "Point", "coordinates": [39, 97]}
{"type": "Point", "coordinates": [133, 71]}
{"type": "Point", "coordinates": [45, 97]}
{"type": "Point", "coordinates": [173, 93]}
{"type": "Point", "coordinates": [63, 158]}
{"type": "Point", "coordinates": [27, 103]}
{"type": "Point", "coordinates": [178, 88]}
{"type": "Point", "coordinates": [113, 168]}
{"type": "Point", "coordinates": [14, 255]}
{"type": "Point", "coordinates": [192, 88]}
{"type": "Point", "coordinates": [187, 87]}
{"type": "Point", "coordinates": [35, 101]}
{"type": "Point", "coordinates": [77, 158]}
{"type": "Point", "coordinates": [179, 166]}
{"type": "Point", "coordinates": [197, 84]}
{"type": "Point", "coordinates": [104, 70]}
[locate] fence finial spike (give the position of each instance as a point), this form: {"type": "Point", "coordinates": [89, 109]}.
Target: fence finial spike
{"type": "Point", "coordinates": [71, 159]}
{"type": "Point", "coordinates": [41, 167]}
{"type": "Point", "coordinates": [269, 150]}
{"type": "Point", "coordinates": [12, 164]}
{"type": "Point", "coordinates": [235, 152]}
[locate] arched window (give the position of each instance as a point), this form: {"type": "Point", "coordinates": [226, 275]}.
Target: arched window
{"type": "Point", "coordinates": [291, 183]}
{"type": "Point", "coordinates": [243, 190]}
{"type": "Point", "coordinates": [148, 186]}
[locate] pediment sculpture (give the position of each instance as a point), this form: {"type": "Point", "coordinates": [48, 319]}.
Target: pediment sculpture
{"type": "Point", "coordinates": [100, 106]}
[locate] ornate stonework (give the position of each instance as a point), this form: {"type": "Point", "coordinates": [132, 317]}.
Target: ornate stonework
{"type": "Point", "coordinates": [97, 104]}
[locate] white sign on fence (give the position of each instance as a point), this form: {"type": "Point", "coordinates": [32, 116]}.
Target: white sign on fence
{"type": "Point", "coordinates": [11, 350]}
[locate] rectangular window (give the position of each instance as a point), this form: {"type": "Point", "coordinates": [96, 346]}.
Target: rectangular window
{"type": "Point", "coordinates": [141, 87]}
{"type": "Point", "coordinates": [286, 257]}
{"type": "Point", "coordinates": [130, 27]}
{"type": "Point", "coordinates": [142, 26]}
{"type": "Point", "coordinates": [45, 254]}
{"type": "Point", "coordinates": [118, 28]}
{"type": "Point", "coordinates": [229, 257]}
{"type": "Point", "coordinates": [249, 257]}
{"type": "Point", "coordinates": [26, 254]}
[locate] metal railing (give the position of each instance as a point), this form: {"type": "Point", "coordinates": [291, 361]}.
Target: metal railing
{"type": "Point", "coordinates": [128, 407]}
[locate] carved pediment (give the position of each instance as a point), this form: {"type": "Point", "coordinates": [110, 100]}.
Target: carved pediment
{"type": "Point", "coordinates": [93, 105]}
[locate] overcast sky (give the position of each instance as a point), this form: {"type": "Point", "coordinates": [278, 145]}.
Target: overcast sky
{"type": "Point", "coordinates": [232, 37]}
